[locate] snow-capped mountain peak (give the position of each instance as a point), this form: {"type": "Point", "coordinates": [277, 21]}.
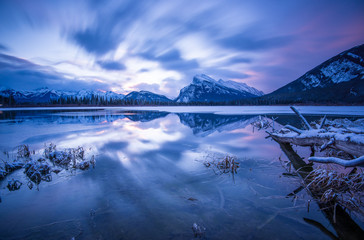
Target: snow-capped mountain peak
{"type": "Point", "coordinates": [206, 89]}
{"type": "Point", "coordinates": [241, 87]}
{"type": "Point", "coordinates": [198, 79]}
{"type": "Point", "coordinates": [146, 96]}
{"type": "Point", "coordinates": [45, 95]}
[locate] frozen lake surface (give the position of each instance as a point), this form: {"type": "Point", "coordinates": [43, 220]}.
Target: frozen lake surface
{"type": "Point", "coordinates": [236, 110]}
{"type": "Point", "coordinates": [150, 181]}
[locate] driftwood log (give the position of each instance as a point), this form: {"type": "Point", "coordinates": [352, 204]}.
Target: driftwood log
{"type": "Point", "coordinates": [339, 139]}
{"type": "Point", "coordinates": [353, 148]}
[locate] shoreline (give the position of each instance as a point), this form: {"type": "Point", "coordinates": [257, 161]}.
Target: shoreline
{"type": "Point", "coordinates": [222, 110]}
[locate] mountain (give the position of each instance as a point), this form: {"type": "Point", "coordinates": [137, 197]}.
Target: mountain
{"type": "Point", "coordinates": [45, 95]}
{"type": "Point", "coordinates": [142, 97]}
{"type": "Point", "coordinates": [338, 80]}
{"type": "Point", "coordinates": [107, 95]}
{"type": "Point", "coordinates": [205, 89]}
{"type": "Point", "coordinates": [241, 87]}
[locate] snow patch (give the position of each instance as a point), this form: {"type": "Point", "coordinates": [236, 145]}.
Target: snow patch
{"type": "Point", "coordinates": [355, 56]}
{"type": "Point", "coordinates": [342, 71]}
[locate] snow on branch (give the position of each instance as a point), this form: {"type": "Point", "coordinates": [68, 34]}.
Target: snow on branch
{"type": "Point", "coordinates": [346, 163]}
{"type": "Point", "coordinates": [325, 145]}
{"type": "Point", "coordinates": [322, 122]}
{"type": "Point", "coordinates": [289, 127]}
{"type": "Point", "coordinates": [303, 119]}
{"type": "Point", "coordinates": [329, 134]}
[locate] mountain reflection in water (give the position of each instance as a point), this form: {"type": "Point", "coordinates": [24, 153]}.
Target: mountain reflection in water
{"type": "Point", "coordinates": [201, 123]}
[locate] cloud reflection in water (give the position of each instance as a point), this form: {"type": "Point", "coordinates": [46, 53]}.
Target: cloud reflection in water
{"type": "Point", "coordinates": [146, 172]}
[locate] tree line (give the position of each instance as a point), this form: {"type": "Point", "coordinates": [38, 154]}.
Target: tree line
{"type": "Point", "coordinates": [96, 100]}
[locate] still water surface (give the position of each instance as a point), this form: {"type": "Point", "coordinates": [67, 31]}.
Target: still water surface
{"type": "Point", "coordinates": [150, 181]}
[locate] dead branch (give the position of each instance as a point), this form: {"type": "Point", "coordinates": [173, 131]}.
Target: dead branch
{"type": "Point", "coordinates": [303, 119]}
{"type": "Point", "coordinates": [353, 148]}
{"type": "Point", "coordinates": [333, 137]}
{"type": "Point", "coordinates": [329, 143]}
{"type": "Point", "coordinates": [289, 127]}
{"type": "Point", "coordinates": [322, 122]}
{"type": "Point", "coordinates": [346, 163]}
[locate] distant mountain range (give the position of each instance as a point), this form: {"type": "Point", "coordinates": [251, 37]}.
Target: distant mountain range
{"type": "Point", "coordinates": [338, 80]}
{"type": "Point", "coordinates": [203, 89]}
{"type": "Point", "coordinates": [45, 95]}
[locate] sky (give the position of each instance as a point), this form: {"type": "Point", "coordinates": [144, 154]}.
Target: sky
{"type": "Point", "coordinates": [158, 46]}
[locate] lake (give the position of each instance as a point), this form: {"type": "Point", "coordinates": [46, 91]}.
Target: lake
{"type": "Point", "coordinates": [150, 180]}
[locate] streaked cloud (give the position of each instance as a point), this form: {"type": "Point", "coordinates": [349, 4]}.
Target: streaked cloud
{"type": "Point", "coordinates": [160, 45]}
{"type": "Point", "coordinates": [111, 65]}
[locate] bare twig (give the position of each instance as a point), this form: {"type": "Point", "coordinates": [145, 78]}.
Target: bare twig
{"type": "Point", "coordinates": [322, 122]}
{"type": "Point", "coordinates": [293, 129]}
{"type": "Point", "coordinates": [303, 119]}
{"type": "Point", "coordinates": [324, 146]}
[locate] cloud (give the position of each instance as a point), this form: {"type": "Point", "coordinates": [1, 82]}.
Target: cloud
{"type": "Point", "coordinates": [95, 41]}
{"type": "Point", "coordinates": [22, 74]}
{"type": "Point", "coordinates": [168, 42]}
{"type": "Point", "coordinates": [171, 87]}
{"type": "Point", "coordinates": [3, 48]}
{"type": "Point", "coordinates": [228, 74]}
{"type": "Point", "coordinates": [243, 43]}
{"type": "Point", "coordinates": [172, 55]}
{"type": "Point", "coordinates": [171, 60]}
{"type": "Point", "coordinates": [234, 60]}
{"type": "Point", "coordinates": [111, 65]}
{"type": "Point", "coordinates": [143, 70]}
{"type": "Point", "coordinates": [32, 79]}
{"type": "Point", "coordinates": [109, 27]}
{"type": "Point", "coordinates": [11, 62]}
{"type": "Point", "coordinates": [148, 87]}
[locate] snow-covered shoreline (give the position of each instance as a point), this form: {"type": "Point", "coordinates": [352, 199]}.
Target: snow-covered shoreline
{"type": "Point", "coordinates": [225, 110]}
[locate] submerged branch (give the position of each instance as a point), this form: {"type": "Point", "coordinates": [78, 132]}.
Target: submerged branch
{"type": "Point", "coordinates": [320, 183]}
{"type": "Point", "coordinates": [321, 227]}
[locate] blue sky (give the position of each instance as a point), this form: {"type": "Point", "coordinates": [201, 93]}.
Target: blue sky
{"type": "Point", "coordinates": [160, 45]}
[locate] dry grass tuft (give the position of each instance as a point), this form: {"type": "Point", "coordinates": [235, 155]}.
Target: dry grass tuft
{"type": "Point", "coordinates": [225, 164]}
{"type": "Point", "coordinates": [338, 188]}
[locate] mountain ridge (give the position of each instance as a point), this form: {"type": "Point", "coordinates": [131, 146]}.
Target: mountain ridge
{"type": "Point", "coordinates": [45, 95]}
{"type": "Point", "coordinates": [226, 91]}
{"type": "Point", "coordinates": [337, 80]}
{"type": "Point", "coordinates": [146, 96]}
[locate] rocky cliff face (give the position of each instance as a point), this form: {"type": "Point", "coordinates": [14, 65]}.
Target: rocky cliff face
{"type": "Point", "coordinates": [205, 89]}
